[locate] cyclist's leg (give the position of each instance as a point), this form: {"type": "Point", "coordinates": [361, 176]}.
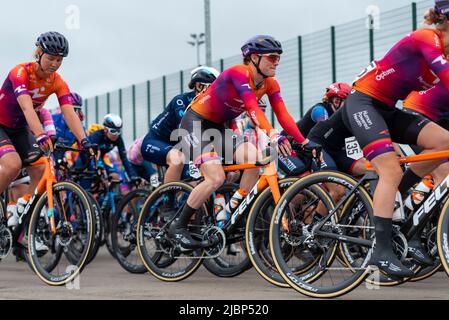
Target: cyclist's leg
{"type": "Point", "coordinates": [175, 162]}
{"type": "Point", "coordinates": [248, 153]}
{"type": "Point", "coordinates": [162, 153]}
{"type": "Point", "coordinates": [10, 162]}
{"type": "Point", "coordinates": [365, 118]}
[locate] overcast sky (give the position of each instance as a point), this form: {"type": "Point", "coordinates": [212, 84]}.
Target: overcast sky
{"type": "Point", "coordinates": [119, 43]}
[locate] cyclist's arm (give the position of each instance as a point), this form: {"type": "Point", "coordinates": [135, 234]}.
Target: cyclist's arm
{"type": "Point", "coordinates": [26, 104]}
{"type": "Point", "coordinates": [241, 84]}
{"type": "Point", "coordinates": [430, 47]}
{"type": "Point", "coordinates": [47, 121]}
{"type": "Point", "coordinates": [125, 161]}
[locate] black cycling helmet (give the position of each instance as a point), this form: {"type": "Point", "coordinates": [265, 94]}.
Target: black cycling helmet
{"type": "Point", "coordinates": [204, 75]}
{"type": "Point", "coordinates": [261, 44]}
{"type": "Point", "coordinates": [53, 43]}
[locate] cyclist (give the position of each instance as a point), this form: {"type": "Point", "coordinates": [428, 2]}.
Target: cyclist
{"type": "Point", "coordinates": [63, 133]}
{"type": "Point", "coordinates": [236, 90]}
{"type": "Point", "coordinates": [157, 147]}
{"type": "Point", "coordinates": [334, 97]}
{"type": "Point", "coordinates": [416, 62]}
{"type": "Point", "coordinates": [106, 139]}
{"type": "Point", "coordinates": [23, 93]}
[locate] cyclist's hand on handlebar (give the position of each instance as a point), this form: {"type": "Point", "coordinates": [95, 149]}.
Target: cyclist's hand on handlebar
{"type": "Point", "coordinates": [312, 150]}
{"type": "Point", "coordinates": [283, 146]}
{"type": "Point", "coordinates": [136, 181]}
{"type": "Point", "coordinates": [86, 145]}
{"type": "Point", "coordinates": [44, 143]}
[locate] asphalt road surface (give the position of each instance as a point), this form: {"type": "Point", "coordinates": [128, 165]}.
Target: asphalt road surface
{"type": "Point", "coordinates": [105, 279]}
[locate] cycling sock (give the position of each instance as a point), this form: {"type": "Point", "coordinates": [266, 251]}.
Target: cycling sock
{"type": "Point", "coordinates": [383, 228]}
{"type": "Point", "coordinates": [185, 215]}
{"type": "Point", "coordinates": [408, 180]}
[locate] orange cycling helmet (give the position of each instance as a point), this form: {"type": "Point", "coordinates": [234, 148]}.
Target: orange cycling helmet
{"type": "Point", "coordinates": [338, 89]}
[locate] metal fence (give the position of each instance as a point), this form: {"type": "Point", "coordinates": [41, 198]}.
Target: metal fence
{"type": "Point", "coordinates": [310, 62]}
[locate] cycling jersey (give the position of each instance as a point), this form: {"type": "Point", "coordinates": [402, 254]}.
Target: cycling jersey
{"type": "Point", "coordinates": [415, 63]}
{"type": "Point", "coordinates": [105, 145]}
{"type": "Point", "coordinates": [65, 136]}
{"type": "Point", "coordinates": [234, 92]}
{"type": "Point", "coordinates": [169, 120]}
{"type": "Point", "coordinates": [433, 103]}
{"type": "Point", "coordinates": [23, 79]}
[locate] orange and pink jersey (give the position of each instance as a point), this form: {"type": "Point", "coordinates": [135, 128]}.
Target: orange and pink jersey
{"type": "Point", "coordinates": [234, 92]}
{"type": "Point", "coordinates": [433, 103]}
{"type": "Point", "coordinates": [23, 79]}
{"type": "Point", "coordinates": [415, 63]}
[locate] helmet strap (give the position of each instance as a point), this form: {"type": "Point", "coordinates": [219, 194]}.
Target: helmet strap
{"type": "Point", "coordinates": [258, 67]}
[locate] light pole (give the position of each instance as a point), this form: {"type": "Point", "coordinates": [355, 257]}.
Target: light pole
{"type": "Point", "coordinates": [197, 41]}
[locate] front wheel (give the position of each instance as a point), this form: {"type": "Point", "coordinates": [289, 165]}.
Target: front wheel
{"type": "Point", "coordinates": [123, 231]}
{"type": "Point", "coordinates": [74, 222]}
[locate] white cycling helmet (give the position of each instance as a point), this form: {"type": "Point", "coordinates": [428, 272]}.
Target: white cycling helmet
{"type": "Point", "coordinates": [112, 121]}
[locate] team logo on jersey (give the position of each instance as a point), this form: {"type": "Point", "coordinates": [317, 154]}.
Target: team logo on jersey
{"type": "Point", "coordinates": [246, 85]}
{"type": "Point", "coordinates": [20, 88]}
{"type": "Point", "coordinates": [385, 74]}
{"type": "Point", "coordinates": [36, 94]}
{"type": "Point", "coordinates": [441, 59]}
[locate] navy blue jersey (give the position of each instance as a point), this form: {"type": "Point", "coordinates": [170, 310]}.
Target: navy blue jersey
{"type": "Point", "coordinates": [105, 145]}
{"type": "Point", "coordinates": [169, 120]}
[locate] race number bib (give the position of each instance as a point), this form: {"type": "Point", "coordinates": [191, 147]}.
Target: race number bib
{"type": "Point", "coordinates": [353, 149]}
{"type": "Point", "coordinates": [193, 171]}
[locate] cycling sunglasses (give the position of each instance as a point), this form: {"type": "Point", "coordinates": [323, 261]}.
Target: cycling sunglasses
{"type": "Point", "coordinates": [114, 132]}
{"type": "Point", "coordinates": [272, 57]}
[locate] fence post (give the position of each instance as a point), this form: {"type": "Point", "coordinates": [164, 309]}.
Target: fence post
{"type": "Point", "coordinates": [96, 109]}
{"type": "Point", "coordinates": [334, 59]}
{"type": "Point", "coordinates": [221, 65]}
{"type": "Point", "coordinates": [181, 77]}
{"type": "Point", "coordinates": [164, 91]}
{"type": "Point", "coordinates": [86, 103]}
{"type": "Point", "coordinates": [134, 112]}
{"type": "Point", "coordinates": [371, 37]}
{"type": "Point", "coordinates": [414, 16]}
{"type": "Point", "coordinates": [149, 103]}
{"type": "Point", "coordinates": [108, 102]}
{"type": "Point", "coordinates": [120, 102]}
{"type": "Point", "coordinates": [301, 88]}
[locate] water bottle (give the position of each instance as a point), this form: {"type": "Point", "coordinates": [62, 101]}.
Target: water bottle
{"type": "Point", "coordinates": [22, 203]}
{"type": "Point", "coordinates": [419, 193]}
{"type": "Point", "coordinates": [236, 200]}
{"type": "Point", "coordinates": [398, 214]}
{"type": "Point", "coordinates": [220, 210]}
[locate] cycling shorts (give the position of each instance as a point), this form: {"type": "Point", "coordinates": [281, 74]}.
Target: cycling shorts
{"type": "Point", "coordinates": [203, 140]}
{"type": "Point", "coordinates": [376, 125]}
{"type": "Point", "coordinates": [20, 140]}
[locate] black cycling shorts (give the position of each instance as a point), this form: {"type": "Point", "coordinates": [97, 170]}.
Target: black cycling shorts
{"type": "Point", "coordinates": [376, 125]}
{"type": "Point", "coordinates": [20, 140]}
{"type": "Point", "coordinates": [203, 140]}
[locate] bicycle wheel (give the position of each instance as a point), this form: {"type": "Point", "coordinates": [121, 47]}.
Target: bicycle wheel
{"type": "Point", "coordinates": [162, 257]}
{"type": "Point", "coordinates": [234, 260]}
{"type": "Point", "coordinates": [442, 236]}
{"type": "Point", "coordinates": [73, 222]}
{"type": "Point", "coordinates": [429, 241]}
{"type": "Point", "coordinates": [328, 277]}
{"type": "Point", "coordinates": [123, 231]}
{"type": "Point", "coordinates": [74, 250]}
{"type": "Point", "coordinates": [257, 235]}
